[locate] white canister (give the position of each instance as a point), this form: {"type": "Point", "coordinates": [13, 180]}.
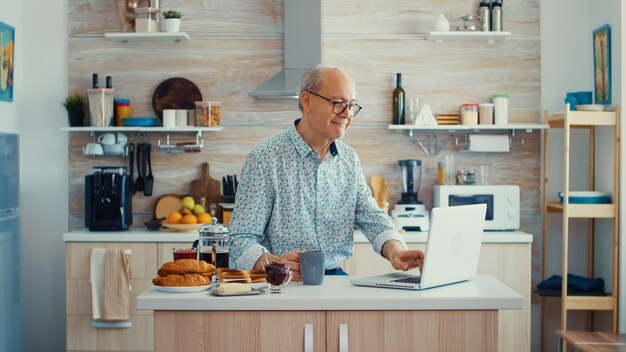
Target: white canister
{"type": "Point", "coordinates": [169, 118]}
{"type": "Point", "coordinates": [181, 118]}
{"type": "Point", "coordinates": [501, 109]}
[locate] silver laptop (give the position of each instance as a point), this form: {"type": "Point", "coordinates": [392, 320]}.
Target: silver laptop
{"type": "Point", "coordinates": [452, 251]}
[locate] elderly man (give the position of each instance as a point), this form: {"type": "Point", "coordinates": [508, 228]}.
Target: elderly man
{"type": "Point", "coordinates": [303, 189]}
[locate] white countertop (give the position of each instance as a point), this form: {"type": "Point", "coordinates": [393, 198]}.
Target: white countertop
{"type": "Point", "coordinates": [141, 235]}
{"type": "Point", "coordinates": [337, 293]}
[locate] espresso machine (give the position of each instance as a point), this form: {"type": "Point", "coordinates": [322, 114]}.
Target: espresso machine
{"type": "Point", "coordinates": [409, 213]}
{"type": "Point", "coordinates": [108, 199]}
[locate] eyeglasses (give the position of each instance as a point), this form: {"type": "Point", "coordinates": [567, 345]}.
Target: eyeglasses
{"type": "Point", "coordinates": [339, 106]}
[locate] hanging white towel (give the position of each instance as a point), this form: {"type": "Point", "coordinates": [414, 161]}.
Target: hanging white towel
{"type": "Point", "coordinates": [96, 278]}
{"type": "Point", "coordinates": [109, 275]}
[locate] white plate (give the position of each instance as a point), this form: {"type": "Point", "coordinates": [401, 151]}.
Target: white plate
{"type": "Point", "coordinates": [590, 107]}
{"type": "Point", "coordinates": [182, 289]}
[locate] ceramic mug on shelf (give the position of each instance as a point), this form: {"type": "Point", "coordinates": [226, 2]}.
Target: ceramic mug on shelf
{"type": "Point", "coordinates": [93, 149]}
{"type": "Point", "coordinates": [107, 138]}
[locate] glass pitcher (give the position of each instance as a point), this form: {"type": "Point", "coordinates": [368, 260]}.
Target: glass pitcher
{"type": "Point", "coordinates": [213, 244]}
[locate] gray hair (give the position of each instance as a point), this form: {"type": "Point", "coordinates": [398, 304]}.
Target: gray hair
{"type": "Point", "coordinates": [311, 81]}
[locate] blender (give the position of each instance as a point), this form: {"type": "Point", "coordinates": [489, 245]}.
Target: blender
{"type": "Point", "coordinates": [409, 213]}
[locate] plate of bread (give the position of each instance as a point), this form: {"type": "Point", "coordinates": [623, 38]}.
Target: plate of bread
{"type": "Point", "coordinates": [184, 275]}
{"type": "Point", "coordinates": [237, 282]}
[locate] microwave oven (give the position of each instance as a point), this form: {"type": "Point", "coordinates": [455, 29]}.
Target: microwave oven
{"type": "Point", "coordinates": [503, 202]}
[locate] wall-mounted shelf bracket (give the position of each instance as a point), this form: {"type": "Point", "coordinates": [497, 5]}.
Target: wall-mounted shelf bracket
{"type": "Point", "coordinates": [182, 146]}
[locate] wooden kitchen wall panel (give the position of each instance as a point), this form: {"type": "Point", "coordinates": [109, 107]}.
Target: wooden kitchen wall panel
{"type": "Point", "coordinates": [78, 254]}
{"type": "Point", "coordinates": [378, 149]}
{"type": "Point", "coordinates": [226, 74]}
{"type": "Point", "coordinates": [200, 17]}
{"type": "Point", "coordinates": [406, 17]}
{"type": "Point", "coordinates": [225, 152]}
{"type": "Point", "coordinates": [82, 337]}
{"type": "Point", "coordinates": [442, 75]}
{"type": "Point", "coordinates": [78, 294]}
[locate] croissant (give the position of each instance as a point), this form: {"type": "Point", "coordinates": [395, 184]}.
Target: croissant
{"type": "Point", "coordinates": [182, 280]}
{"type": "Point", "coordinates": [185, 266]}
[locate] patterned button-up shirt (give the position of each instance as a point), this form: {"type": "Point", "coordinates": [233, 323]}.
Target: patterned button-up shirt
{"type": "Point", "coordinates": [289, 199]}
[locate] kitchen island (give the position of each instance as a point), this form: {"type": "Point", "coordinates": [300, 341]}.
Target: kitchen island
{"type": "Point", "coordinates": [504, 255]}
{"type": "Point", "coordinates": [332, 316]}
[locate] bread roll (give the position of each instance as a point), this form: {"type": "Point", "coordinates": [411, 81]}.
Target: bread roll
{"type": "Point", "coordinates": [228, 270]}
{"type": "Point", "coordinates": [255, 274]}
{"type": "Point", "coordinates": [182, 280]}
{"type": "Point", "coordinates": [185, 266]}
{"type": "Point", "coordinates": [234, 274]}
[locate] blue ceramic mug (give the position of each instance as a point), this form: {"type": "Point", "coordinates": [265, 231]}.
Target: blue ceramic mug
{"type": "Point", "coordinates": [312, 267]}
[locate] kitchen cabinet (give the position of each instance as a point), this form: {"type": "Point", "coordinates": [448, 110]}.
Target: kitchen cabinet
{"type": "Point", "coordinates": [241, 331]}
{"type": "Point", "coordinates": [411, 331]}
{"type": "Point", "coordinates": [589, 209]}
{"type": "Point", "coordinates": [81, 336]}
{"type": "Point", "coordinates": [326, 331]}
{"type": "Point", "coordinates": [334, 316]}
{"type": "Point", "coordinates": [508, 262]}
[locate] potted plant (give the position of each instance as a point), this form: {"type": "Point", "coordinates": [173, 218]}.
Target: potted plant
{"type": "Point", "coordinates": [76, 105]}
{"type": "Point", "coordinates": [172, 20]}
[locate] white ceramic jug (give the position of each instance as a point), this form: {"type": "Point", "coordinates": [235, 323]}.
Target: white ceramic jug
{"type": "Point", "coordinates": [441, 24]}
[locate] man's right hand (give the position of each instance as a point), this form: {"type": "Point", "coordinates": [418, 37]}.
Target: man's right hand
{"type": "Point", "coordinates": [292, 259]}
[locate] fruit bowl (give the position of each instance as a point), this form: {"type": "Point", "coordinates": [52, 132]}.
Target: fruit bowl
{"type": "Point", "coordinates": [182, 227]}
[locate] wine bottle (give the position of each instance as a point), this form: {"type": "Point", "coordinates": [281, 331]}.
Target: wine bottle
{"type": "Point", "coordinates": [398, 102]}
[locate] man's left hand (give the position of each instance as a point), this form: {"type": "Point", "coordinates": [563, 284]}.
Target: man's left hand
{"type": "Point", "coordinates": [407, 259]}
{"type": "Point", "coordinates": [401, 258]}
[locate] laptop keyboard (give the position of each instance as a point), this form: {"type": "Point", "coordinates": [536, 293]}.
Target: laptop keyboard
{"type": "Point", "coordinates": [410, 280]}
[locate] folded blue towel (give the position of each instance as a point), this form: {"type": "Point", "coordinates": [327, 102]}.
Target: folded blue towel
{"type": "Point", "coordinates": [576, 285]}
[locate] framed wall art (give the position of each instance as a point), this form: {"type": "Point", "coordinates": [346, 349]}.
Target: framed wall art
{"type": "Point", "coordinates": [602, 64]}
{"type": "Point", "coordinates": [7, 59]}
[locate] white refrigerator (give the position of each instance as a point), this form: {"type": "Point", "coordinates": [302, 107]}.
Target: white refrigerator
{"type": "Point", "coordinates": [10, 306]}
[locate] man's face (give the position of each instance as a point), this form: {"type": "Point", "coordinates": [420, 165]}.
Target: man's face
{"type": "Point", "coordinates": [338, 87]}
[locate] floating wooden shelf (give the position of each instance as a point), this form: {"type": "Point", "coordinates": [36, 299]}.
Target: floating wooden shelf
{"type": "Point", "coordinates": [156, 129]}
{"type": "Point", "coordinates": [466, 35]}
{"type": "Point", "coordinates": [474, 128]}
{"type": "Point", "coordinates": [148, 37]}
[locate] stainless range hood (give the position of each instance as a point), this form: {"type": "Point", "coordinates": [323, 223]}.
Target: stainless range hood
{"type": "Point", "coordinates": [303, 49]}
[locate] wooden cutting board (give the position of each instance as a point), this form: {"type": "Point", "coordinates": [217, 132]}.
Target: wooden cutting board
{"type": "Point", "coordinates": [175, 93]}
{"type": "Point", "coordinates": [207, 187]}
{"type": "Point", "coordinates": [166, 204]}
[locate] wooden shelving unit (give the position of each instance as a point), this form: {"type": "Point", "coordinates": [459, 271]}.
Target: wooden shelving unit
{"type": "Point", "coordinates": [588, 120]}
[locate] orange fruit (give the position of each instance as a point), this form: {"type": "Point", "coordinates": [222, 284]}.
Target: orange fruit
{"type": "Point", "coordinates": [204, 218]}
{"type": "Point", "coordinates": [174, 217]}
{"type": "Point", "coordinates": [188, 219]}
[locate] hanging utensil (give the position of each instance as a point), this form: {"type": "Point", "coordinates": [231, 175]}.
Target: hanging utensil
{"type": "Point", "coordinates": [131, 164]}
{"type": "Point", "coordinates": [139, 181]}
{"type": "Point", "coordinates": [147, 191]}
